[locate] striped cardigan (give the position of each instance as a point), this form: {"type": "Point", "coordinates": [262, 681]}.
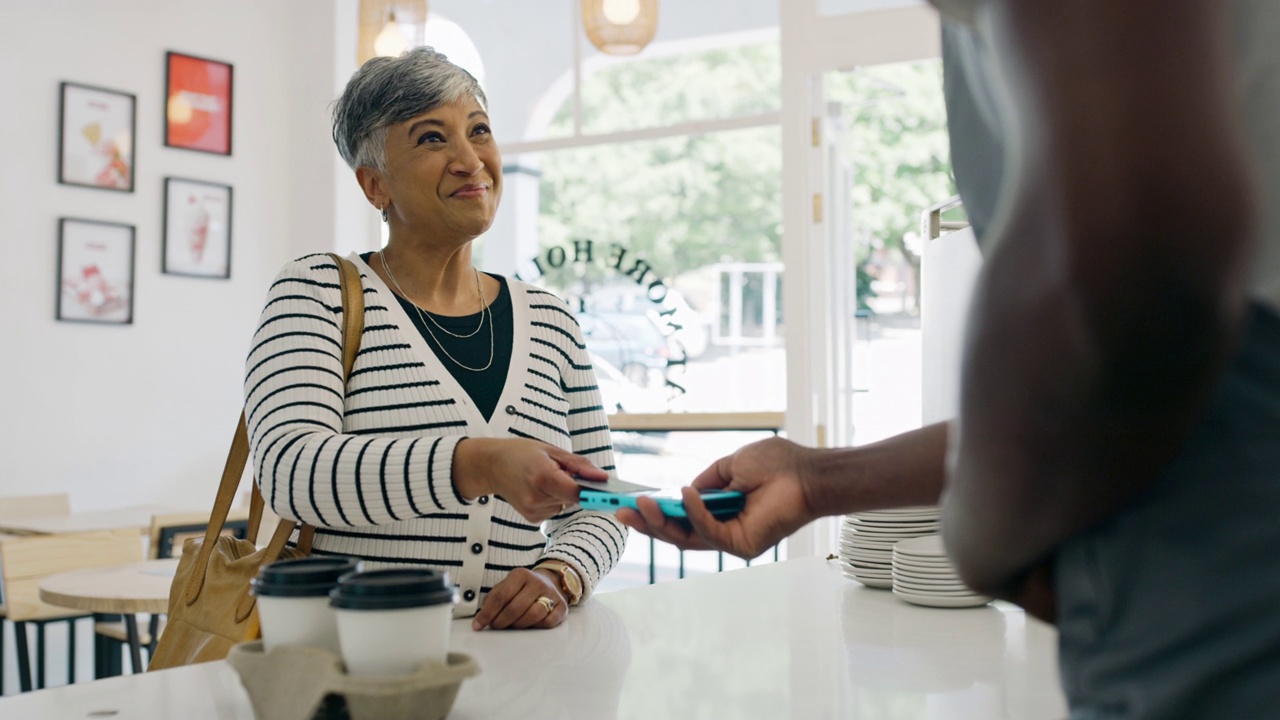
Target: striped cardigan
{"type": "Point", "coordinates": [370, 465]}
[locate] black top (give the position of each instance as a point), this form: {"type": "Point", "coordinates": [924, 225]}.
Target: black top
{"type": "Point", "coordinates": [484, 388]}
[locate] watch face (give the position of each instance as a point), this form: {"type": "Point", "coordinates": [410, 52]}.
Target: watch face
{"type": "Point", "coordinates": [572, 584]}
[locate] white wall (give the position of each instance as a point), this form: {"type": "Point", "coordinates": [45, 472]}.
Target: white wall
{"type": "Point", "coordinates": [115, 414]}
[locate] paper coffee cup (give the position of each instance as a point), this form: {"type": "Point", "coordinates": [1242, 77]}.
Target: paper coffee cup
{"type": "Point", "coordinates": [293, 602]}
{"type": "Point", "coordinates": [392, 621]}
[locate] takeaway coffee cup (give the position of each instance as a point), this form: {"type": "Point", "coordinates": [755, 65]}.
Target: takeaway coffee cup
{"type": "Point", "coordinates": [392, 621]}
{"type": "Point", "coordinates": [293, 601]}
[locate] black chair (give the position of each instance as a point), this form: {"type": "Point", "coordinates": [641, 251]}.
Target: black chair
{"type": "Point", "coordinates": [25, 561]}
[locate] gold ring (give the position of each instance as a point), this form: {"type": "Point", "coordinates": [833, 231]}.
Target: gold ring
{"type": "Point", "coordinates": [547, 603]}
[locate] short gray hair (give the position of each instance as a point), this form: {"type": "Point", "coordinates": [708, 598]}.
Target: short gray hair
{"type": "Point", "coordinates": [386, 91]}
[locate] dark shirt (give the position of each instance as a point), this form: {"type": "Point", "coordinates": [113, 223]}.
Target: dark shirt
{"type": "Point", "coordinates": [484, 387]}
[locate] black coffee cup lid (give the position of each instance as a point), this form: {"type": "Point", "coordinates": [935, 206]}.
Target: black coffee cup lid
{"type": "Point", "coordinates": [392, 589]}
{"type": "Point", "coordinates": [301, 577]}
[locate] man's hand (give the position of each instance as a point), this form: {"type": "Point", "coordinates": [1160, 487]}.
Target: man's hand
{"type": "Point", "coordinates": [767, 472]}
{"type": "Point", "coordinates": [513, 603]}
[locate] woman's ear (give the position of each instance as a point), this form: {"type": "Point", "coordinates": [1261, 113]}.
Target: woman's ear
{"type": "Point", "coordinates": [375, 189]}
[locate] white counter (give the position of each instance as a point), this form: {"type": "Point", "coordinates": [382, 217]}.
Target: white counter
{"type": "Point", "coordinates": [787, 640]}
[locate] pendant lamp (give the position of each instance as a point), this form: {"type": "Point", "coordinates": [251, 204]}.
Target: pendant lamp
{"type": "Point", "coordinates": [620, 27]}
{"type": "Point", "coordinates": [389, 27]}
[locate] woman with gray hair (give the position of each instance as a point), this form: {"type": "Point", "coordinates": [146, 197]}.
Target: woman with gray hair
{"type": "Point", "coordinates": [472, 405]}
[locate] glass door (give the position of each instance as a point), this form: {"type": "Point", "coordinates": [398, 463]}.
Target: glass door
{"type": "Point", "coordinates": [825, 231]}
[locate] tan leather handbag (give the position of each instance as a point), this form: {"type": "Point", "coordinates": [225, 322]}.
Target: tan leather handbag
{"type": "Point", "coordinates": [210, 608]}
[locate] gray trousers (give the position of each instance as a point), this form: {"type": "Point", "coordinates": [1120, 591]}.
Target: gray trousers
{"type": "Point", "coordinates": [1171, 608]}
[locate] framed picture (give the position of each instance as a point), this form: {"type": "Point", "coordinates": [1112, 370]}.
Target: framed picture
{"type": "Point", "coordinates": [197, 113]}
{"type": "Point", "coordinates": [96, 133]}
{"type": "Point", "coordinates": [197, 228]}
{"type": "Point", "coordinates": [95, 271]}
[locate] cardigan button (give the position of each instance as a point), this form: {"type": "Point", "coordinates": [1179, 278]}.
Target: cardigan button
{"type": "Point", "coordinates": [484, 500]}
{"type": "Point", "coordinates": [511, 409]}
{"type": "Point", "coordinates": [477, 548]}
{"type": "Point", "coordinates": [469, 595]}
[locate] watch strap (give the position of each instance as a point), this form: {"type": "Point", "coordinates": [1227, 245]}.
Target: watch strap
{"type": "Point", "coordinates": [561, 569]}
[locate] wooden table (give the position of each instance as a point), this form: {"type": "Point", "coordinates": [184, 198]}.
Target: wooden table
{"type": "Point", "coordinates": [784, 640]}
{"type": "Point", "coordinates": [137, 516]}
{"type": "Point", "coordinates": [125, 590]}
{"type": "Point", "coordinates": [134, 516]}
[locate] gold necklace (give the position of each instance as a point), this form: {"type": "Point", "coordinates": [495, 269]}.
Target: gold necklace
{"type": "Point", "coordinates": [425, 316]}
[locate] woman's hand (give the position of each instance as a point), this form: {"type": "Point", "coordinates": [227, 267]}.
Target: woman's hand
{"type": "Point", "coordinates": [534, 477]}
{"type": "Point", "coordinates": [514, 602]}
{"type": "Point", "coordinates": [767, 472]}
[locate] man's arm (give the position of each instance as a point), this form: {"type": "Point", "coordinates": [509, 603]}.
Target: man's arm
{"type": "Point", "coordinates": [1113, 291]}
{"type": "Point", "coordinates": [787, 486]}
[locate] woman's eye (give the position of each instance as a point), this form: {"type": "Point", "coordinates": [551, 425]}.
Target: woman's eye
{"type": "Point", "coordinates": [430, 137]}
{"type": "Point", "coordinates": [482, 129]}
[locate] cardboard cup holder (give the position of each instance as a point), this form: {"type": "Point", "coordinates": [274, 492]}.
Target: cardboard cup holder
{"type": "Point", "coordinates": [291, 683]}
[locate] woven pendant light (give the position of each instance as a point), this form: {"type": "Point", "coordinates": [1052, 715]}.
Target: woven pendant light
{"type": "Point", "coordinates": [405, 17]}
{"type": "Point", "coordinates": [620, 27]}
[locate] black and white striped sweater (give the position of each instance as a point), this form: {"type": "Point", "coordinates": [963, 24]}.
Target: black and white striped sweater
{"type": "Point", "coordinates": [370, 466]}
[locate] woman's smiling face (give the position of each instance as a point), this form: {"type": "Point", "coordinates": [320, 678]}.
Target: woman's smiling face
{"type": "Point", "coordinates": [444, 171]}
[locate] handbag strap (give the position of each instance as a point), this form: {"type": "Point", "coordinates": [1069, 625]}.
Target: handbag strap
{"type": "Point", "coordinates": [238, 457]}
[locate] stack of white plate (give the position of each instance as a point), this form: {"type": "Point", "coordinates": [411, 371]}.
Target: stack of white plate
{"type": "Point", "coordinates": [922, 575]}
{"type": "Point", "coordinates": [867, 539]}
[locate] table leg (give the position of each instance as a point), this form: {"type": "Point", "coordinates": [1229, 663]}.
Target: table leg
{"type": "Point", "coordinates": [153, 630]}
{"type": "Point", "coordinates": [71, 651]}
{"type": "Point", "coordinates": [135, 645]}
{"type": "Point", "coordinates": [24, 656]}
{"type": "Point", "coordinates": [40, 656]}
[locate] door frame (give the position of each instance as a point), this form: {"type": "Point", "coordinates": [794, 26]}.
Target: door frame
{"type": "Point", "coordinates": [813, 44]}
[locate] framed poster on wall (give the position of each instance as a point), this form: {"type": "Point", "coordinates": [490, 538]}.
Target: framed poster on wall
{"type": "Point", "coordinates": [197, 228]}
{"type": "Point", "coordinates": [197, 104]}
{"type": "Point", "coordinates": [96, 133]}
{"type": "Point", "coordinates": [95, 271]}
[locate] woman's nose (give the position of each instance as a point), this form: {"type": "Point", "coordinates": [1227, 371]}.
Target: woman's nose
{"type": "Point", "coordinates": [466, 161]}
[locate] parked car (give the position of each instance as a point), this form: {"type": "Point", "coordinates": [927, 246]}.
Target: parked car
{"type": "Point", "coordinates": [630, 342]}
{"type": "Point", "coordinates": [687, 328]}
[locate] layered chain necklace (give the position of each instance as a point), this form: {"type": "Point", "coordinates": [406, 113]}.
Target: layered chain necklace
{"type": "Point", "coordinates": [428, 321]}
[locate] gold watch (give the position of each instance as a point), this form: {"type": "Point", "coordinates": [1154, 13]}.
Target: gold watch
{"type": "Point", "coordinates": [570, 583]}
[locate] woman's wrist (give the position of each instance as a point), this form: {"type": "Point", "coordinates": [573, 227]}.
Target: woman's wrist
{"type": "Point", "coordinates": [470, 467]}
{"type": "Point", "coordinates": [553, 578]}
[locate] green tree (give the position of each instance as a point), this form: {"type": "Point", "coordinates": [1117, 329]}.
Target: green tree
{"type": "Point", "coordinates": [898, 144]}
{"type": "Point", "coordinates": [685, 202]}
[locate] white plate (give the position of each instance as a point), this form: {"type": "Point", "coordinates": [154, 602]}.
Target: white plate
{"type": "Point", "coordinates": [943, 602]}
{"type": "Point", "coordinates": [928, 546]}
{"type": "Point", "coordinates": [894, 535]}
{"type": "Point", "coordinates": [913, 519]}
{"type": "Point", "coordinates": [874, 548]}
{"type": "Point", "coordinates": [890, 523]}
{"type": "Point", "coordinates": [913, 510]}
{"type": "Point", "coordinates": [924, 565]}
{"type": "Point", "coordinates": [894, 519]}
{"type": "Point", "coordinates": [868, 546]}
{"type": "Point", "coordinates": [902, 533]}
{"type": "Point", "coordinates": [872, 545]}
{"type": "Point", "coordinates": [910, 587]}
{"type": "Point", "coordinates": [873, 582]}
{"type": "Point", "coordinates": [849, 556]}
{"type": "Point", "coordinates": [856, 574]}
{"type": "Point", "coordinates": [928, 580]}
